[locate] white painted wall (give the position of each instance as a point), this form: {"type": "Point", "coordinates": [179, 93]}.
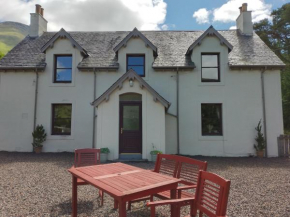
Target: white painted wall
{"type": "Point", "coordinates": [16, 110]}
{"type": "Point", "coordinates": [153, 122]}
{"type": "Point", "coordinates": [238, 91]}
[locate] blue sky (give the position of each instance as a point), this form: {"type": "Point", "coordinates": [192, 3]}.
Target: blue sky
{"type": "Point", "coordinates": [115, 15]}
{"type": "Point", "coordinates": [180, 13]}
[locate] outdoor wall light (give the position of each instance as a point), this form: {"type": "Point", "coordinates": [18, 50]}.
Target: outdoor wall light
{"type": "Point", "coordinates": [131, 83]}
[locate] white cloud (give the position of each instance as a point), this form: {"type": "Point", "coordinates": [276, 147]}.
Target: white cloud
{"type": "Point", "coordinates": [202, 15]}
{"type": "Point", "coordinates": [229, 11]}
{"type": "Point", "coordinates": [90, 15]}
{"type": "Point", "coordinates": [233, 27]}
{"type": "Point", "coordinates": [164, 27]}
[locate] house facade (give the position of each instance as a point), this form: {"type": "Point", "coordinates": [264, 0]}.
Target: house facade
{"type": "Point", "coordinates": [186, 92]}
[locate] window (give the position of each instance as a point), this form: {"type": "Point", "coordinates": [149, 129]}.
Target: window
{"type": "Point", "coordinates": [210, 71]}
{"type": "Point", "coordinates": [137, 63]}
{"type": "Point", "coordinates": [211, 119]}
{"type": "Point", "coordinates": [61, 119]}
{"type": "Point", "coordinates": [63, 69]}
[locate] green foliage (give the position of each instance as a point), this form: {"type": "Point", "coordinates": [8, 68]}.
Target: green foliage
{"type": "Point", "coordinates": [1, 55]}
{"type": "Point", "coordinates": [154, 151]}
{"type": "Point", "coordinates": [105, 151]}
{"type": "Point", "coordinates": [260, 139]}
{"type": "Point", "coordinates": [277, 36]}
{"type": "Point", "coordinates": [39, 136]}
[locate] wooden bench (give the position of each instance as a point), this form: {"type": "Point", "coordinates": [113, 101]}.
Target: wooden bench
{"type": "Point", "coordinates": [184, 168]}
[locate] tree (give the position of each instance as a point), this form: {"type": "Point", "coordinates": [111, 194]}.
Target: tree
{"type": "Point", "coordinates": [1, 55]}
{"type": "Point", "coordinates": [276, 35]}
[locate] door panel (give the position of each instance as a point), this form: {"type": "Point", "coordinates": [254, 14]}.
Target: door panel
{"type": "Point", "coordinates": [130, 127]}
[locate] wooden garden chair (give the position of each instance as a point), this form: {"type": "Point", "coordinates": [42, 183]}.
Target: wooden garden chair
{"type": "Point", "coordinates": [88, 157]}
{"type": "Point", "coordinates": [211, 197]}
{"type": "Point", "coordinates": [184, 168]}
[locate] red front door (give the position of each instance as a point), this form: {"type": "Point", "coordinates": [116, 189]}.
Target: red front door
{"type": "Point", "coordinates": [130, 128]}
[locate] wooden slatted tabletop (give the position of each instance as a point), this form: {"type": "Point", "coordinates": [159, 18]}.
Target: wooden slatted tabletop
{"type": "Point", "coordinates": [123, 182]}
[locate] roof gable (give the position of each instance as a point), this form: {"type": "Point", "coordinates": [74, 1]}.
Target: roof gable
{"type": "Point", "coordinates": [131, 74]}
{"type": "Point", "coordinates": [210, 32]}
{"type": "Point", "coordinates": [63, 34]}
{"type": "Point", "coordinates": [136, 33]}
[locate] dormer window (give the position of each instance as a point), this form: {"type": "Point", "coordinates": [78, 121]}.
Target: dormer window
{"type": "Point", "coordinates": [210, 70]}
{"type": "Point", "coordinates": [137, 63]}
{"type": "Point", "coordinates": [63, 69]}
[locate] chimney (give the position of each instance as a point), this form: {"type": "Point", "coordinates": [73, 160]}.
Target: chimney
{"type": "Point", "coordinates": [38, 25]}
{"type": "Point", "coordinates": [244, 21]}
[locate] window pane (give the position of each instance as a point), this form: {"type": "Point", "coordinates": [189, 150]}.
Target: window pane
{"type": "Point", "coordinates": [210, 60]}
{"type": "Point", "coordinates": [135, 60]}
{"type": "Point", "coordinates": [64, 62]}
{"type": "Point", "coordinates": [62, 111]}
{"type": "Point", "coordinates": [63, 75]}
{"type": "Point", "coordinates": [131, 97]}
{"type": "Point", "coordinates": [130, 117]}
{"type": "Point", "coordinates": [210, 74]}
{"type": "Point", "coordinates": [211, 119]}
{"type": "Point", "coordinates": [62, 126]}
{"type": "Point", "coordinates": [138, 69]}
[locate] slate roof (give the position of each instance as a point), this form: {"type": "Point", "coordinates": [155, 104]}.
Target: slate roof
{"type": "Point", "coordinates": [172, 47]}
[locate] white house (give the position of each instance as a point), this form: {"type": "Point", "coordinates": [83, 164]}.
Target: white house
{"type": "Point", "coordinates": [187, 92]}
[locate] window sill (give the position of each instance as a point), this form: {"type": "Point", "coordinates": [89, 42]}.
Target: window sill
{"type": "Point", "coordinates": [211, 84]}
{"type": "Point", "coordinates": [62, 85]}
{"type": "Point", "coordinates": [60, 137]}
{"type": "Point", "coordinates": [211, 138]}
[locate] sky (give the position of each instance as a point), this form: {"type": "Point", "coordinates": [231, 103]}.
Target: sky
{"type": "Point", "coordinates": [116, 15]}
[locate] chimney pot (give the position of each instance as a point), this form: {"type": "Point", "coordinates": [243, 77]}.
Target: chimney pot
{"type": "Point", "coordinates": [37, 9]}
{"type": "Point", "coordinates": [240, 9]}
{"type": "Point", "coordinates": [41, 11]}
{"type": "Point", "coordinates": [244, 7]}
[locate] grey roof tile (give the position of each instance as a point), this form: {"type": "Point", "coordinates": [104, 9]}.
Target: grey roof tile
{"type": "Point", "coordinates": [171, 45]}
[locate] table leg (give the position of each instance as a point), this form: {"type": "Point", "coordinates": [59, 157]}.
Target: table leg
{"type": "Point", "coordinates": [115, 204]}
{"type": "Point", "coordinates": [74, 196]}
{"type": "Point", "coordinates": [122, 209]}
{"type": "Point", "coordinates": [173, 208]}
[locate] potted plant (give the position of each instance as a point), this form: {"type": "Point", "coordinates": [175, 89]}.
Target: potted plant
{"type": "Point", "coordinates": [104, 154]}
{"type": "Point", "coordinates": [260, 139]}
{"type": "Point", "coordinates": [39, 136]}
{"type": "Point", "coordinates": [154, 153]}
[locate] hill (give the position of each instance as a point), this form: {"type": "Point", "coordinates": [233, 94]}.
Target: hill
{"type": "Point", "coordinates": [11, 33]}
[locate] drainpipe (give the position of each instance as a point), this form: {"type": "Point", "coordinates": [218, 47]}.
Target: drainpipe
{"type": "Point", "coordinates": [35, 100]}
{"type": "Point", "coordinates": [264, 108]}
{"type": "Point", "coordinates": [177, 108]}
{"type": "Point", "coordinates": [94, 113]}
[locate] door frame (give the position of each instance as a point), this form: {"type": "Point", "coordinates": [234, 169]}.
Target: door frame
{"type": "Point", "coordinates": [139, 103]}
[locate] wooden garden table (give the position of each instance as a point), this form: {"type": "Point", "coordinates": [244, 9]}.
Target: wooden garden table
{"type": "Point", "coordinates": [123, 182]}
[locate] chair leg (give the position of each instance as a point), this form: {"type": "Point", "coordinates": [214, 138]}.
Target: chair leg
{"type": "Point", "coordinates": [116, 204]}
{"type": "Point", "coordinates": [101, 195]}
{"type": "Point", "coordinates": [129, 205]}
{"type": "Point", "coordinates": [152, 211]}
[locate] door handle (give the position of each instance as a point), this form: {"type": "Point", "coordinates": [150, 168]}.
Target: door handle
{"type": "Point", "coordinates": [121, 130]}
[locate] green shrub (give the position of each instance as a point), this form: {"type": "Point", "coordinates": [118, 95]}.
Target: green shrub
{"type": "Point", "coordinates": [260, 139]}
{"type": "Point", "coordinates": [105, 151]}
{"type": "Point", "coordinates": [39, 136]}
{"type": "Point", "coordinates": [154, 152]}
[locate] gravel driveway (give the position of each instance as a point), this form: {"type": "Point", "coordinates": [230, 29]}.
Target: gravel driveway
{"type": "Point", "coordinates": [39, 185]}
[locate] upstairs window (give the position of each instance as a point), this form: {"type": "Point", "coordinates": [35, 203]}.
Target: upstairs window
{"type": "Point", "coordinates": [211, 119]}
{"type": "Point", "coordinates": [137, 63]}
{"type": "Point", "coordinates": [61, 119]}
{"type": "Point", "coordinates": [63, 69]}
{"type": "Point", "coordinates": [210, 70]}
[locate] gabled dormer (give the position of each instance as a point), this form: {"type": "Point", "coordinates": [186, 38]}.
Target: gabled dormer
{"type": "Point", "coordinates": [209, 32]}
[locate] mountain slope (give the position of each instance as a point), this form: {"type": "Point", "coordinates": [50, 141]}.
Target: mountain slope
{"type": "Point", "coordinates": [11, 33]}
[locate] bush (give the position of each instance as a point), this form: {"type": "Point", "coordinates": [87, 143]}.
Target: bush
{"type": "Point", "coordinates": [39, 136]}
{"type": "Point", "coordinates": [260, 139]}
{"type": "Point", "coordinates": [105, 151]}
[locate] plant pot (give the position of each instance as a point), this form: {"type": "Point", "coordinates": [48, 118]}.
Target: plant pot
{"type": "Point", "coordinates": [104, 158]}
{"type": "Point", "coordinates": [260, 154]}
{"type": "Point", "coordinates": [153, 157]}
{"type": "Point", "coordinates": [37, 150]}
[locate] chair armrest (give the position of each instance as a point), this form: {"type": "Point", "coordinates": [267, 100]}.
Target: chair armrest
{"type": "Point", "coordinates": [167, 202]}
{"type": "Point", "coordinates": [186, 187]}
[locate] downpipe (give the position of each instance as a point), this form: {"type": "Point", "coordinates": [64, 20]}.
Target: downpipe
{"type": "Point", "coordinates": [264, 109]}
{"type": "Point", "coordinates": [94, 112]}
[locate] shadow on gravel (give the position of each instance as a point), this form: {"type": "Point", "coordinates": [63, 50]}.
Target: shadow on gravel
{"type": "Point", "coordinates": [64, 209]}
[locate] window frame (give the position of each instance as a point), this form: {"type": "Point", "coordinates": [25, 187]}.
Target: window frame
{"type": "Point", "coordinates": [55, 67]}
{"type": "Point", "coordinates": [221, 120]}
{"type": "Point", "coordinates": [218, 67]}
{"type": "Point", "coordinates": [136, 55]}
{"type": "Point", "coordinates": [52, 120]}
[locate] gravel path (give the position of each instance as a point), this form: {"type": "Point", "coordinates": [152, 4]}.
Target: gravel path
{"type": "Point", "coordinates": [39, 185]}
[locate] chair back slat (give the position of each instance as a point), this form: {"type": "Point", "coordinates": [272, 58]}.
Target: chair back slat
{"type": "Point", "coordinates": [166, 164]}
{"type": "Point", "coordinates": [212, 194]}
{"type": "Point", "coordinates": [87, 157]}
{"type": "Point", "coordinates": [188, 170]}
